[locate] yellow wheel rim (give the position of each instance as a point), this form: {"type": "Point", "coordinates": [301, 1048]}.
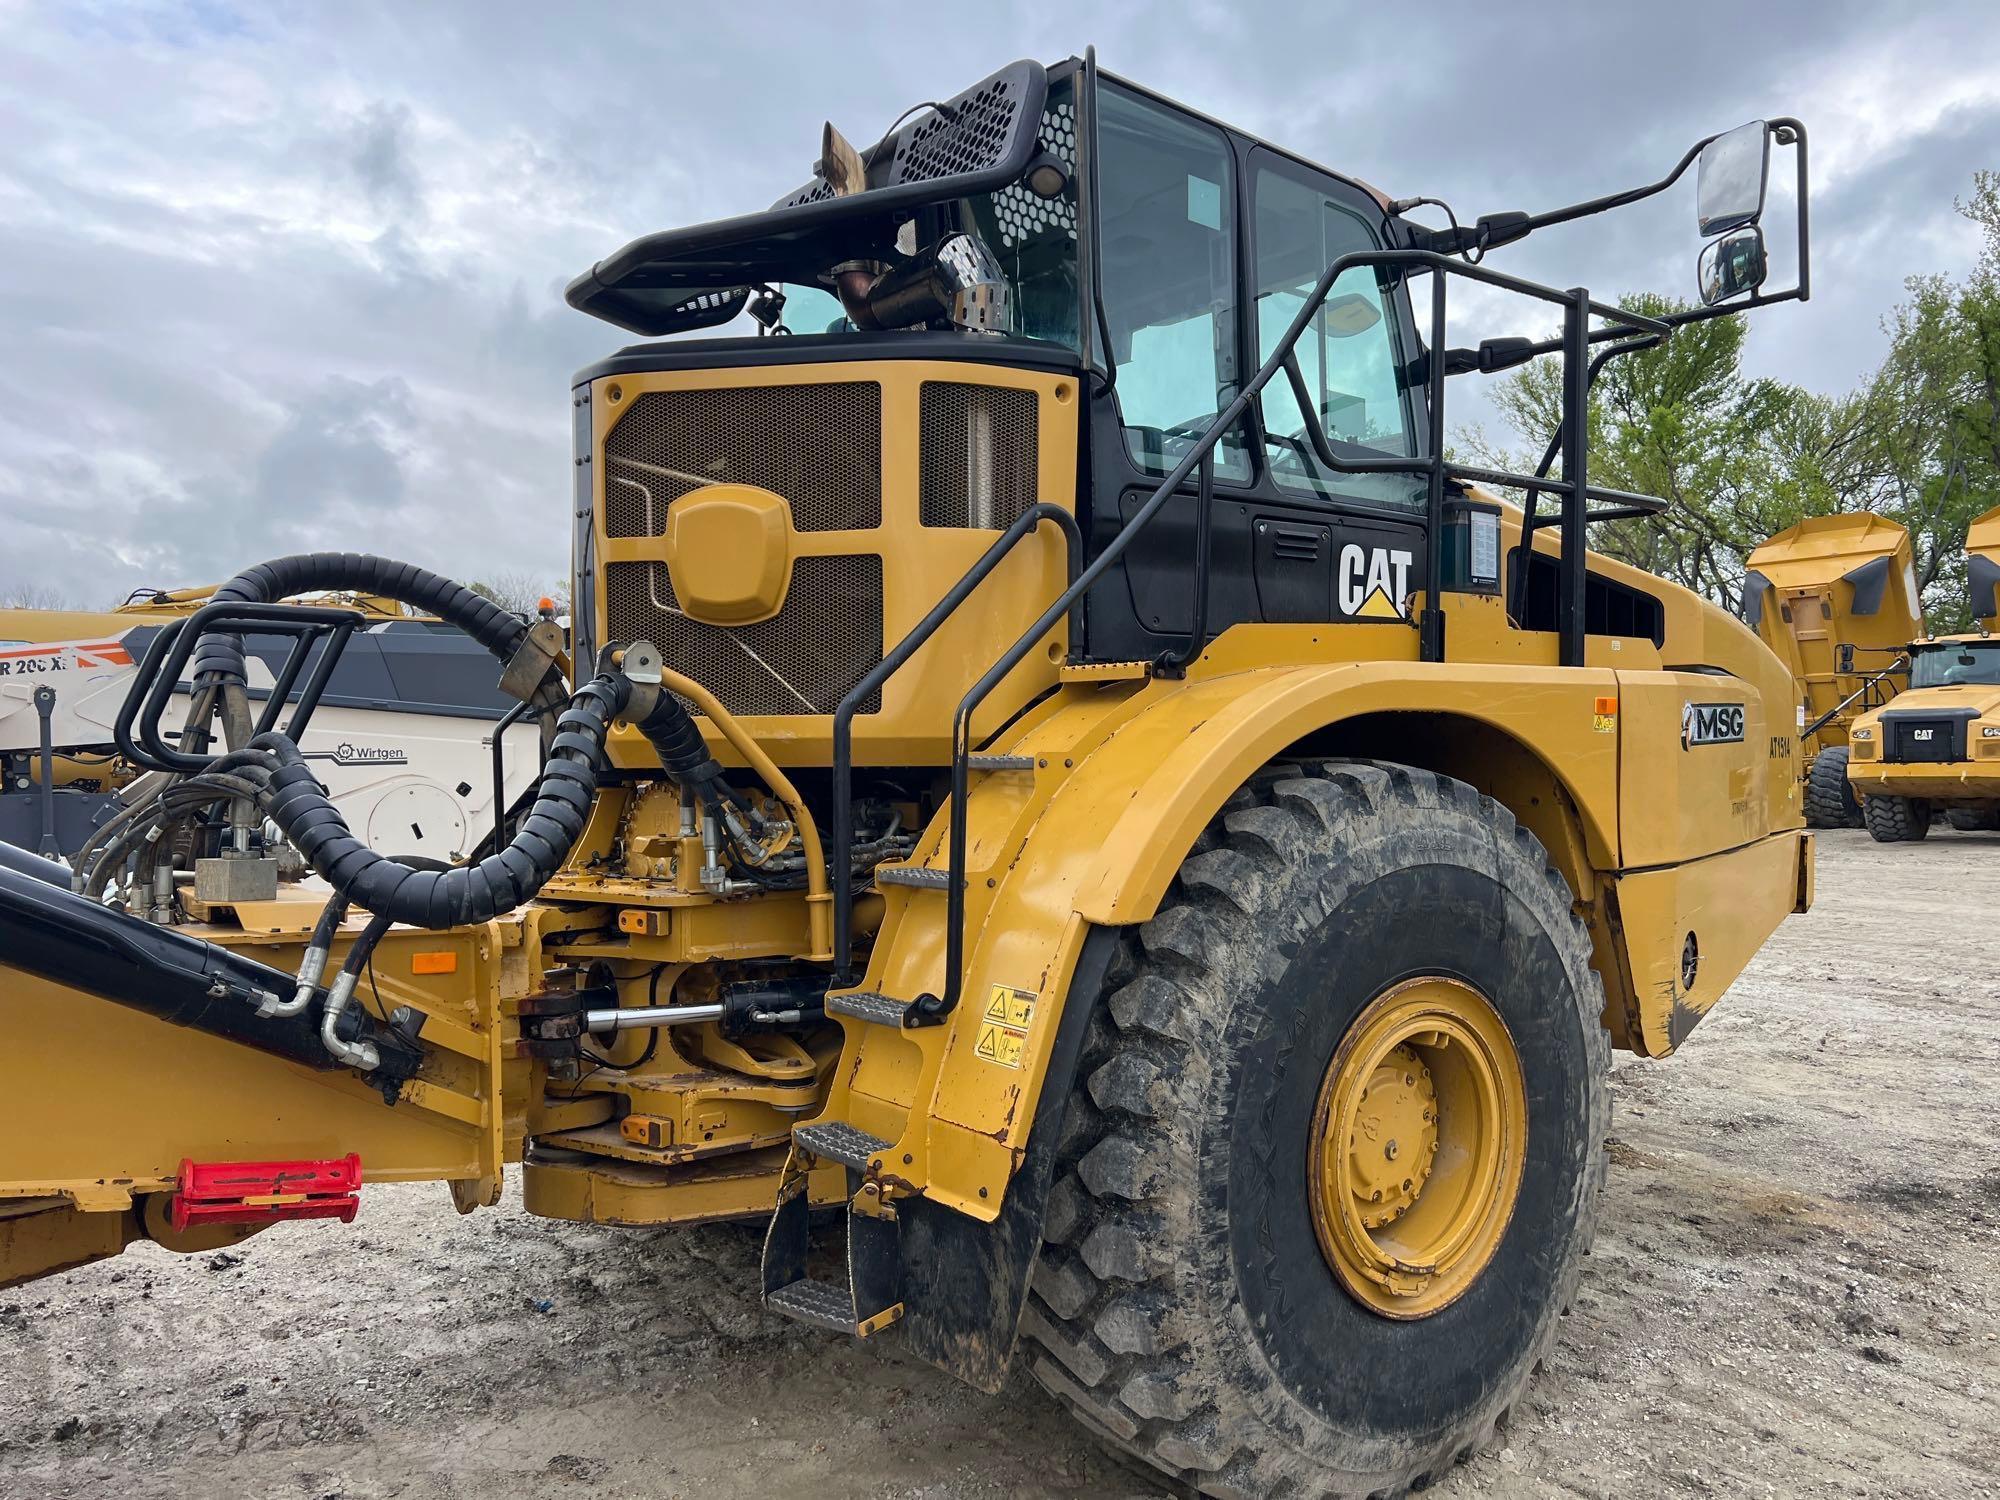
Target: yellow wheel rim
{"type": "Point", "coordinates": [1418, 1141]}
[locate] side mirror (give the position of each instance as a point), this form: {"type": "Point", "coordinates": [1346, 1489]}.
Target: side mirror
{"type": "Point", "coordinates": [1729, 187]}
{"type": "Point", "coordinates": [1733, 265]}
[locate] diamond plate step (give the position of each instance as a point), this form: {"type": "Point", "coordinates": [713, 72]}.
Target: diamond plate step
{"type": "Point", "coordinates": [816, 1302]}
{"type": "Point", "coordinates": [863, 1006]}
{"type": "Point", "coordinates": [1000, 762]}
{"type": "Point", "coordinates": [836, 1140]}
{"type": "Point", "coordinates": [916, 876]}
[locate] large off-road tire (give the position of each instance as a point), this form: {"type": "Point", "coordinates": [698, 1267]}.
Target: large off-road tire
{"type": "Point", "coordinates": [1185, 1306]}
{"type": "Point", "coordinates": [1973, 819]}
{"type": "Point", "coordinates": [1830, 799]}
{"type": "Point", "coordinates": [1896, 820]}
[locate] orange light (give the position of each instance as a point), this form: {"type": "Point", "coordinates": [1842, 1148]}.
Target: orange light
{"type": "Point", "coordinates": [433, 963]}
{"type": "Point", "coordinates": [546, 605]}
{"type": "Point", "coordinates": [1607, 705]}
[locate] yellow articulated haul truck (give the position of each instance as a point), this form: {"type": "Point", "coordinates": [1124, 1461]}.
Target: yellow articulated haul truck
{"type": "Point", "coordinates": [1836, 597]}
{"type": "Point", "coordinates": [1936, 749]}
{"type": "Point", "coordinates": [1059, 802]}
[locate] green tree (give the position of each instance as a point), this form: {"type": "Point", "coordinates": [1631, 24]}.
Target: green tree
{"type": "Point", "coordinates": [1935, 408]}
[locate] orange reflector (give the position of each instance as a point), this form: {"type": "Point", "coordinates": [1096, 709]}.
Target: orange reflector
{"type": "Point", "coordinates": [433, 963]}
{"type": "Point", "coordinates": [1607, 705]}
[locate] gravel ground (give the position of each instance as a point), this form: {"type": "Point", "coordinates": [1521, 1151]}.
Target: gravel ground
{"type": "Point", "coordinates": [1795, 1291]}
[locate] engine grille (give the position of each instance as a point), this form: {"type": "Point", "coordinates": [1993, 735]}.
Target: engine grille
{"type": "Point", "coordinates": [1924, 739]}
{"type": "Point", "coordinates": [802, 660]}
{"type": "Point", "coordinates": [820, 446]}
{"type": "Point", "coordinates": [979, 455]}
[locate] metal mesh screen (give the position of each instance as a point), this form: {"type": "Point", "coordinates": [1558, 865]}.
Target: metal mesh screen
{"type": "Point", "coordinates": [971, 140]}
{"type": "Point", "coordinates": [820, 446]}
{"type": "Point", "coordinates": [802, 660]}
{"type": "Point", "coordinates": [980, 451]}
{"type": "Point", "coordinates": [1024, 216]}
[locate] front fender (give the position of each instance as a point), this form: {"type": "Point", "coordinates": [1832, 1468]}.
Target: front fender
{"type": "Point", "coordinates": [1146, 793]}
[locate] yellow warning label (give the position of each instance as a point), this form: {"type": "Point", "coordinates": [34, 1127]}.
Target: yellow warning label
{"type": "Point", "coordinates": [1604, 723]}
{"type": "Point", "coordinates": [1005, 1045]}
{"type": "Point", "coordinates": [1009, 1006]}
{"type": "Point", "coordinates": [1003, 1030]}
{"type": "Point", "coordinates": [1378, 606]}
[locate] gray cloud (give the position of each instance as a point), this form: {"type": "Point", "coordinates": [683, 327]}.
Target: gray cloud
{"type": "Point", "coordinates": [273, 278]}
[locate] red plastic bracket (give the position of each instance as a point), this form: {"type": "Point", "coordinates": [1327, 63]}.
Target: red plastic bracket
{"type": "Point", "coordinates": [264, 1192]}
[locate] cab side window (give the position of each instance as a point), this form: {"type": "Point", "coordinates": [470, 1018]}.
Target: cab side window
{"type": "Point", "coordinates": [1167, 231]}
{"type": "Point", "coordinates": [1348, 355]}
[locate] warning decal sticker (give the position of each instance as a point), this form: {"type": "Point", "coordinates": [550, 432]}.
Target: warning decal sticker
{"type": "Point", "coordinates": [1003, 1028]}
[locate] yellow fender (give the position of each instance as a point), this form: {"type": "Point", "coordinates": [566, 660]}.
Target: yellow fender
{"type": "Point", "coordinates": [1126, 782]}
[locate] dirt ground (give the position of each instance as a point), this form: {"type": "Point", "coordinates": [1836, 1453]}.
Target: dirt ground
{"type": "Point", "coordinates": [1796, 1291]}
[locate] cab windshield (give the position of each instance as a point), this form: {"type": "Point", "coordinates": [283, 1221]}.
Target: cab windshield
{"type": "Point", "coordinates": [1955, 663]}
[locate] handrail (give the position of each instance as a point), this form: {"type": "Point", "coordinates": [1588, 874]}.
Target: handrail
{"type": "Point", "coordinates": [1578, 307]}
{"type": "Point", "coordinates": [137, 729]}
{"type": "Point", "coordinates": [843, 717]}
{"type": "Point", "coordinates": [1868, 684]}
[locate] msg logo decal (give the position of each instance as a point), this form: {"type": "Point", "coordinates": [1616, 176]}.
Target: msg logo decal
{"type": "Point", "coordinates": [1711, 724]}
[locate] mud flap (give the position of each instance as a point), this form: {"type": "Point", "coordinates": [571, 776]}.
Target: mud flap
{"type": "Point", "coordinates": [965, 1283]}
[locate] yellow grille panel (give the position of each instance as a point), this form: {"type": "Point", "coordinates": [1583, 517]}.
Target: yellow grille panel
{"type": "Point", "coordinates": [802, 660]}
{"type": "Point", "coordinates": [898, 473]}
{"type": "Point", "coordinates": [820, 446]}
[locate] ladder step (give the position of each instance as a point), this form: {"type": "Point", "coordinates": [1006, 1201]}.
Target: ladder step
{"type": "Point", "coordinates": [917, 876]}
{"type": "Point", "coordinates": [1000, 762]}
{"type": "Point", "coordinates": [863, 1006]}
{"type": "Point", "coordinates": [836, 1140]}
{"type": "Point", "coordinates": [819, 1303]}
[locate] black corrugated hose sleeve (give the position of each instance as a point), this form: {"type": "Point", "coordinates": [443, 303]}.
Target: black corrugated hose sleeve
{"type": "Point", "coordinates": [469, 893]}
{"type": "Point", "coordinates": [670, 729]}
{"type": "Point", "coordinates": [219, 658]}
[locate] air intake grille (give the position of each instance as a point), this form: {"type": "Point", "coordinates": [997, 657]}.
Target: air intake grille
{"type": "Point", "coordinates": [980, 455]}
{"type": "Point", "coordinates": [803, 660]}
{"type": "Point", "coordinates": [820, 446]}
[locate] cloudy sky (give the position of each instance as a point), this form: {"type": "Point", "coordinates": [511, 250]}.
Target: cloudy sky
{"type": "Point", "coordinates": [283, 276]}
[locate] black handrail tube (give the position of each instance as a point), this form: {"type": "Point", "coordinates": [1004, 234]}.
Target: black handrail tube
{"type": "Point", "coordinates": [1089, 242]}
{"type": "Point", "coordinates": [1532, 500]}
{"type": "Point", "coordinates": [842, 859]}
{"type": "Point", "coordinates": [508, 720]}
{"type": "Point", "coordinates": [160, 671]}
{"type": "Point", "coordinates": [1430, 638]}
{"type": "Point", "coordinates": [1570, 613]}
{"type": "Point", "coordinates": [1176, 658]}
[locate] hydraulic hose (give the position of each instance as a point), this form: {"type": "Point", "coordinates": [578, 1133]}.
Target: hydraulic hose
{"type": "Point", "coordinates": [502, 881]}
{"type": "Point", "coordinates": [218, 659]}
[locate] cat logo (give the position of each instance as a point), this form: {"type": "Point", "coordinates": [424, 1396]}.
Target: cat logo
{"type": "Point", "coordinates": [1711, 724]}
{"type": "Point", "coordinates": [1373, 581]}
{"type": "Point", "coordinates": [1920, 734]}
